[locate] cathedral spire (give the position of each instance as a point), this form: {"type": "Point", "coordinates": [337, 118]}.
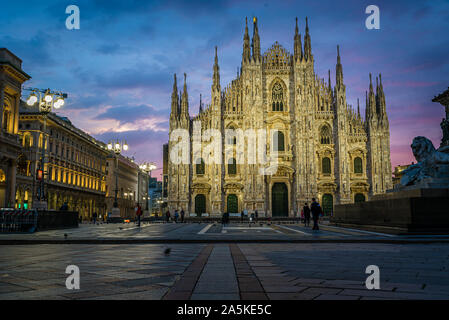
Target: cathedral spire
{"type": "Point", "coordinates": [246, 48]}
{"type": "Point", "coordinates": [339, 70]}
{"type": "Point", "coordinates": [382, 104]}
{"type": "Point", "coordinates": [185, 99]}
{"type": "Point", "coordinates": [329, 80]}
{"type": "Point", "coordinates": [377, 97]}
{"type": "Point", "coordinates": [371, 101]}
{"type": "Point", "coordinates": [358, 109]}
{"type": "Point", "coordinates": [174, 99]}
{"type": "Point", "coordinates": [307, 43]}
{"type": "Point", "coordinates": [216, 77]}
{"type": "Point", "coordinates": [298, 45]}
{"type": "Point", "coordinates": [256, 41]}
{"type": "Point", "coordinates": [201, 104]}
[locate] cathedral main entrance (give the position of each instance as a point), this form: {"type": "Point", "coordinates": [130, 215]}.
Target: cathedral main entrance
{"type": "Point", "coordinates": [200, 204]}
{"type": "Point", "coordinates": [279, 200]}
{"type": "Point", "coordinates": [232, 204]}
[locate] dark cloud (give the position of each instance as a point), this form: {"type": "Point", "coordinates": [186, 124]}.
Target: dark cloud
{"type": "Point", "coordinates": [34, 51]}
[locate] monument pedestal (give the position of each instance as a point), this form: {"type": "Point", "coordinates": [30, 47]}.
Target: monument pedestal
{"type": "Point", "coordinates": [406, 211]}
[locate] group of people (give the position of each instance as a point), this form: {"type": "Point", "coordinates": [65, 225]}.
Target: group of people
{"type": "Point", "coordinates": [314, 211]}
{"type": "Point", "coordinates": [176, 216]}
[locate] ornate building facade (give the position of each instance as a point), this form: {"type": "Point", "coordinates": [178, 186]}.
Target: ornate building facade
{"type": "Point", "coordinates": [75, 172]}
{"type": "Point", "coordinates": [123, 177]}
{"type": "Point", "coordinates": [11, 79]}
{"type": "Point", "coordinates": [323, 147]}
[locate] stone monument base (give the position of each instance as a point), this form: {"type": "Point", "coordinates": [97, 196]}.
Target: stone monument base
{"type": "Point", "coordinates": [401, 212]}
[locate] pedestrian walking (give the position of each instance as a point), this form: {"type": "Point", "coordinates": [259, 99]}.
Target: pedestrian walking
{"type": "Point", "coordinates": [306, 214]}
{"type": "Point", "coordinates": [241, 216]}
{"type": "Point", "coordinates": [167, 216]}
{"type": "Point", "coordinates": [224, 218]}
{"type": "Point", "coordinates": [138, 214]}
{"type": "Point", "coordinates": [316, 212]}
{"type": "Point", "coordinates": [256, 214]}
{"type": "Point", "coordinates": [182, 215]}
{"type": "Point", "coordinates": [94, 217]}
{"type": "Point", "coordinates": [176, 216]}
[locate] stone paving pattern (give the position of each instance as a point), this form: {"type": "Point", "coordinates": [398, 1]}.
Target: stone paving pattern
{"type": "Point", "coordinates": [225, 271]}
{"type": "Point", "coordinates": [206, 232]}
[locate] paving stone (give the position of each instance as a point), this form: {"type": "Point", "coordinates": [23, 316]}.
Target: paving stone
{"type": "Point", "coordinates": [282, 288]}
{"type": "Point", "coordinates": [290, 296]}
{"type": "Point", "coordinates": [215, 296]}
{"type": "Point", "coordinates": [253, 296]}
{"type": "Point", "coordinates": [336, 297]}
{"type": "Point", "coordinates": [322, 290]}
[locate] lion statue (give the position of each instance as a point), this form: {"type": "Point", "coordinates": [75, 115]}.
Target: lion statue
{"type": "Point", "coordinates": [432, 164]}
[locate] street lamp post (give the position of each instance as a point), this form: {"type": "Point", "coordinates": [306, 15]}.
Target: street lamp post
{"type": "Point", "coordinates": [47, 100]}
{"type": "Point", "coordinates": [116, 147]}
{"type": "Point", "coordinates": [148, 167]}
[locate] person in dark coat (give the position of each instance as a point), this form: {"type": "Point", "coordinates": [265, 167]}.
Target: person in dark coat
{"type": "Point", "coordinates": [316, 212]}
{"type": "Point", "coordinates": [241, 216]}
{"type": "Point", "coordinates": [225, 218]}
{"type": "Point", "coordinates": [182, 215]}
{"type": "Point", "coordinates": [306, 211]}
{"type": "Point", "coordinates": [94, 217]}
{"type": "Point", "coordinates": [167, 216]}
{"type": "Point", "coordinates": [138, 214]}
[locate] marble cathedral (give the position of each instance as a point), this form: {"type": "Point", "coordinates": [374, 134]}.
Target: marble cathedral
{"type": "Point", "coordinates": [325, 149]}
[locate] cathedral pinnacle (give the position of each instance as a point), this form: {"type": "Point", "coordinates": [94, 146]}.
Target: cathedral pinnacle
{"type": "Point", "coordinates": [371, 101]}
{"type": "Point", "coordinates": [358, 109]}
{"type": "Point", "coordinates": [297, 44]}
{"type": "Point", "coordinates": [174, 99]}
{"type": "Point", "coordinates": [339, 70]}
{"type": "Point", "coordinates": [216, 76]}
{"type": "Point", "coordinates": [185, 99]}
{"type": "Point", "coordinates": [256, 41]}
{"type": "Point", "coordinates": [307, 43]}
{"type": "Point", "coordinates": [246, 48]}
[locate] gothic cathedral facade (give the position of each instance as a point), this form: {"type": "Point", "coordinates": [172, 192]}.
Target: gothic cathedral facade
{"type": "Point", "coordinates": [325, 150]}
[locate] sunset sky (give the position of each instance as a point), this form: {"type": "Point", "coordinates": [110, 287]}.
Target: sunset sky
{"type": "Point", "coordinates": [118, 68]}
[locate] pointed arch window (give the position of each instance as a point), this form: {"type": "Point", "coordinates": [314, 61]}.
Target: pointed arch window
{"type": "Point", "coordinates": [278, 141]}
{"type": "Point", "coordinates": [277, 97]}
{"type": "Point", "coordinates": [358, 165]}
{"type": "Point", "coordinates": [325, 135]}
{"type": "Point", "coordinates": [326, 165]}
